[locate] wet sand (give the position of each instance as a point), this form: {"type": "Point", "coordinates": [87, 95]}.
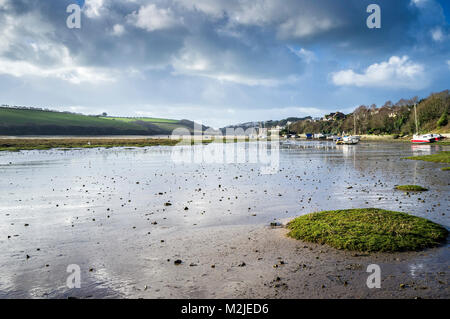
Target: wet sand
{"type": "Point", "coordinates": [239, 262]}
{"type": "Point", "coordinates": [105, 210]}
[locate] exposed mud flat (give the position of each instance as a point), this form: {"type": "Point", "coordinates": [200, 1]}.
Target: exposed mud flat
{"type": "Point", "coordinates": [126, 215]}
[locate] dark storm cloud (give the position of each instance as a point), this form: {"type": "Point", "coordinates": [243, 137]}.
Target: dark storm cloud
{"type": "Point", "coordinates": [251, 42]}
{"type": "Point", "coordinates": [223, 54]}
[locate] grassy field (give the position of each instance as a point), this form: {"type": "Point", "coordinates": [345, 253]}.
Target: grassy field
{"type": "Point", "coordinates": [134, 119]}
{"type": "Point", "coordinates": [20, 117]}
{"type": "Point", "coordinates": [367, 229]}
{"type": "Point", "coordinates": [38, 122]}
{"type": "Point", "coordinates": [442, 157]}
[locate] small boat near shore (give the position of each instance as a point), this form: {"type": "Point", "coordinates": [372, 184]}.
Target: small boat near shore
{"type": "Point", "coordinates": [434, 137]}
{"type": "Point", "coordinates": [350, 140]}
{"type": "Point", "coordinates": [420, 139]}
{"type": "Point", "coordinates": [424, 138]}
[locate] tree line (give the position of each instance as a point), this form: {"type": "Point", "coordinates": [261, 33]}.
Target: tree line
{"type": "Point", "coordinates": [398, 118]}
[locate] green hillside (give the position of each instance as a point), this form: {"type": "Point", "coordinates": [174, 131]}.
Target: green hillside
{"type": "Point", "coordinates": [21, 121]}
{"type": "Point", "coordinates": [398, 118]}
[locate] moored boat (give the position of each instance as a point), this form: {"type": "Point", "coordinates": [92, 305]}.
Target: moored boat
{"type": "Point", "coordinates": [424, 138]}
{"type": "Point", "coordinates": [434, 137]}
{"type": "Point", "coordinates": [352, 139]}
{"type": "Point", "coordinates": [421, 139]}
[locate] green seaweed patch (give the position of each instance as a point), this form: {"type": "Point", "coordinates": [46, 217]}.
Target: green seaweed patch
{"type": "Point", "coordinates": [412, 188]}
{"type": "Point", "coordinates": [445, 169]}
{"type": "Point", "coordinates": [442, 157]}
{"type": "Point", "coordinates": [368, 229]}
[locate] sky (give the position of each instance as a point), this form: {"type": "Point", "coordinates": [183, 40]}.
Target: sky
{"type": "Point", "coordinates": [221, 62]}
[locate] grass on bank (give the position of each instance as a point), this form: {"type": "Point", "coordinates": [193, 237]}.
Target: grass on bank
{"type": "Point", "coordinates": [445, 169]}
{"type": "Point", "coordinates": [367, 229]}
{"type": "Point", "coordinates": [442, 157]}
{"type": "Point", "coordinates": [20, 144]}
{"type": "Point", "coordinates": [413, 188]}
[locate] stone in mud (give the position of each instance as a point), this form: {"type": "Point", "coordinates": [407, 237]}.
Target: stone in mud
{"type": "Point", "coordinates": [275, 224]}
{"type": "Point", "coordinates": [178, 262]}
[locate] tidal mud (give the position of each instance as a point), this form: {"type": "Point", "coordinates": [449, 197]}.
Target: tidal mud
{"type": "Point", "coordinates": [141, 225]}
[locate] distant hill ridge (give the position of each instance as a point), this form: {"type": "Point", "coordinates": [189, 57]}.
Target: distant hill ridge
{"type": "Point", "coordinates": [19, 120]}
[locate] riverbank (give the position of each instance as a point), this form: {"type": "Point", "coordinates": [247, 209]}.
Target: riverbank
{"type": "Point", "coordinates": [38, 143]}
{"type": "Point", "coordinates": [45, 144]}
{"type": "Point", "coordinates": [17, 143]}
{"type": "Point", "coordinates": [391, 138]}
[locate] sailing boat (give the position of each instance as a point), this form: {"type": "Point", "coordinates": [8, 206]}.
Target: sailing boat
{"type": "Point", "coordinates": [420, 139]}
{"type": "Point", "coordinates": [351, 139]}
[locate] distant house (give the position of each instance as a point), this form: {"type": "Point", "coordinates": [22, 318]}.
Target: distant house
{"type": "Point", "coordinates": [334, 116]}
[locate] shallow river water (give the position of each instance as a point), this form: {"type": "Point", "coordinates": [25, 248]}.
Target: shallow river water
{"type": "Point", "coordinates": [97, 208]}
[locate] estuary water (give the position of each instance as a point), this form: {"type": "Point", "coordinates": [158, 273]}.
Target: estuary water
{"type": "Point", "coordinates": [102, 209]}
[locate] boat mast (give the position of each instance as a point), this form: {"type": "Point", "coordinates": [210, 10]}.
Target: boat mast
{"type": "Point", "coordinates": [415, 116]}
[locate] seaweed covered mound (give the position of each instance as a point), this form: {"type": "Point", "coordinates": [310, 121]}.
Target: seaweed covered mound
{"type": "Point", "coordinates": [368, 229]}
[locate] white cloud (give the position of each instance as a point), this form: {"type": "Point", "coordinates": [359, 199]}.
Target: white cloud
{"type": "Point", "coordinates": [417, 1]}
{"type": "Point", "coordinates": [437, 34]}
{"type": "Point", "coordinates": [214, 8]}
{"type": "Point", "coordinates": [291, 19]}
{"type": "Point", "coordinates": [220, 66]}
{"type": "Point", "coordinates": [4, 4]}
{"type": "Point", "coordinates": [118, 30]}
{"type": "Point", "coordinates": [397, 72]}
{"type": "Point", "coordinates": [152, 18]}
{"type": "Point", "coordinates": [305, 26]}
{"type": "Point", "coordinates": [191, 61]}
{"type": "Point", "coordinates": [306, 55]}
{"type": "Point", "coordinates": [36, 55]}
{"type": "Point", "coordinates": [93, 8]}
{"type": "Point", "coordinates": [67, 70]}
{"type": "Point", "coordinates": [258, 13]}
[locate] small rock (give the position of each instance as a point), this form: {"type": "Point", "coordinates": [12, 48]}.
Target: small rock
{"type": "Point", "coordinates": [178, 262]}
